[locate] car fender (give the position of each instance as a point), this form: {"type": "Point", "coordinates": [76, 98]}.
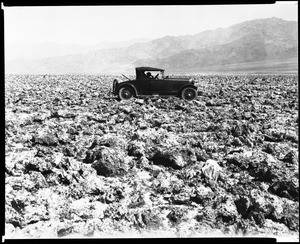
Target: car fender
{"type": "Point", "coordinates": [130, 85]}
{"type": "Point", "coordinates": [185, 86]}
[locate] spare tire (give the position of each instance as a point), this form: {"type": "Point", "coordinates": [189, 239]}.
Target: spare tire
{"type": "Point", "coordinates": [115, 84]}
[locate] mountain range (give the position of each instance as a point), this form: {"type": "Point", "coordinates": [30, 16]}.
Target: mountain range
{"type": "Point", "coordinates": [266, 42]}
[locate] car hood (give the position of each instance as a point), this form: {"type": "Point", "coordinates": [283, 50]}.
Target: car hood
{"type": "Point", "coordinates": [185, 79]}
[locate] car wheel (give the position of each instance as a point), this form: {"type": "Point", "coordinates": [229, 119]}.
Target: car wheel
{"type": "Point", "coordinates": [125, 93]}
{"type": "Point", "coordinates": [115, 83]}
{"type": "Point", "coordinates": [188, 94]}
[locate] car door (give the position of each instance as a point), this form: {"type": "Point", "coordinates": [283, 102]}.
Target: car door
{"type": "Point", "coordinates": [143, 86]}
{"type": "Point", "coordinates": [159, 86]}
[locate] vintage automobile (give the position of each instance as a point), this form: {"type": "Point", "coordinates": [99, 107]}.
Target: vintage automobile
{"type": "Point", "coordinates": [147, 84]}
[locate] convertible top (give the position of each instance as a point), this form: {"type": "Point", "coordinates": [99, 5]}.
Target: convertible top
{"type": "Point", "coordinates": [148, 69]}
{"type": "Point", "coordinates": [140, 71]}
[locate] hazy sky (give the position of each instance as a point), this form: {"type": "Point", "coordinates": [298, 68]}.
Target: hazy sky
{"type": "Point", "coordinates": [93, 24]}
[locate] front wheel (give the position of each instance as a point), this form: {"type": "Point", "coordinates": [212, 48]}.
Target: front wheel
{"type": "Point", "coordinates": [126, 93]}
{"type": "Point", "coordinates": [188, 94]}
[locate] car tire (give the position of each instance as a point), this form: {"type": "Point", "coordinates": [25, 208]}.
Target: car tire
{"type": "Point", "coordinates": [115, 84]}
{"type": "Point", "coordinates": [126, 93]}
{"type": "Point", "coordinates": [188, 94]}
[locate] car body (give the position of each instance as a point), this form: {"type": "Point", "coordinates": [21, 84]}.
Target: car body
{"type": "Point", "coordinates": [159, 84]}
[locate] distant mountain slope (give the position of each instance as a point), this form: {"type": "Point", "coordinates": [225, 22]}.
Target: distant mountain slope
{"type": "Point", "coordinates": [52, 49]}
{"type": "Point", "coordinates": [239, 51]}
{"type": "Point", "coordinates": [250, 41]}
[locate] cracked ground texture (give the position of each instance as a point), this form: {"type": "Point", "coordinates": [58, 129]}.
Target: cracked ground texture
{"type": "Point", "coordinates": [80, 163]}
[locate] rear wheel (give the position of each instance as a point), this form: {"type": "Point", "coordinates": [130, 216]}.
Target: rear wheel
{"type": "Point", "coordinates": [126, 93]}
{"type": "Point", "coordinates": [189, 94]}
